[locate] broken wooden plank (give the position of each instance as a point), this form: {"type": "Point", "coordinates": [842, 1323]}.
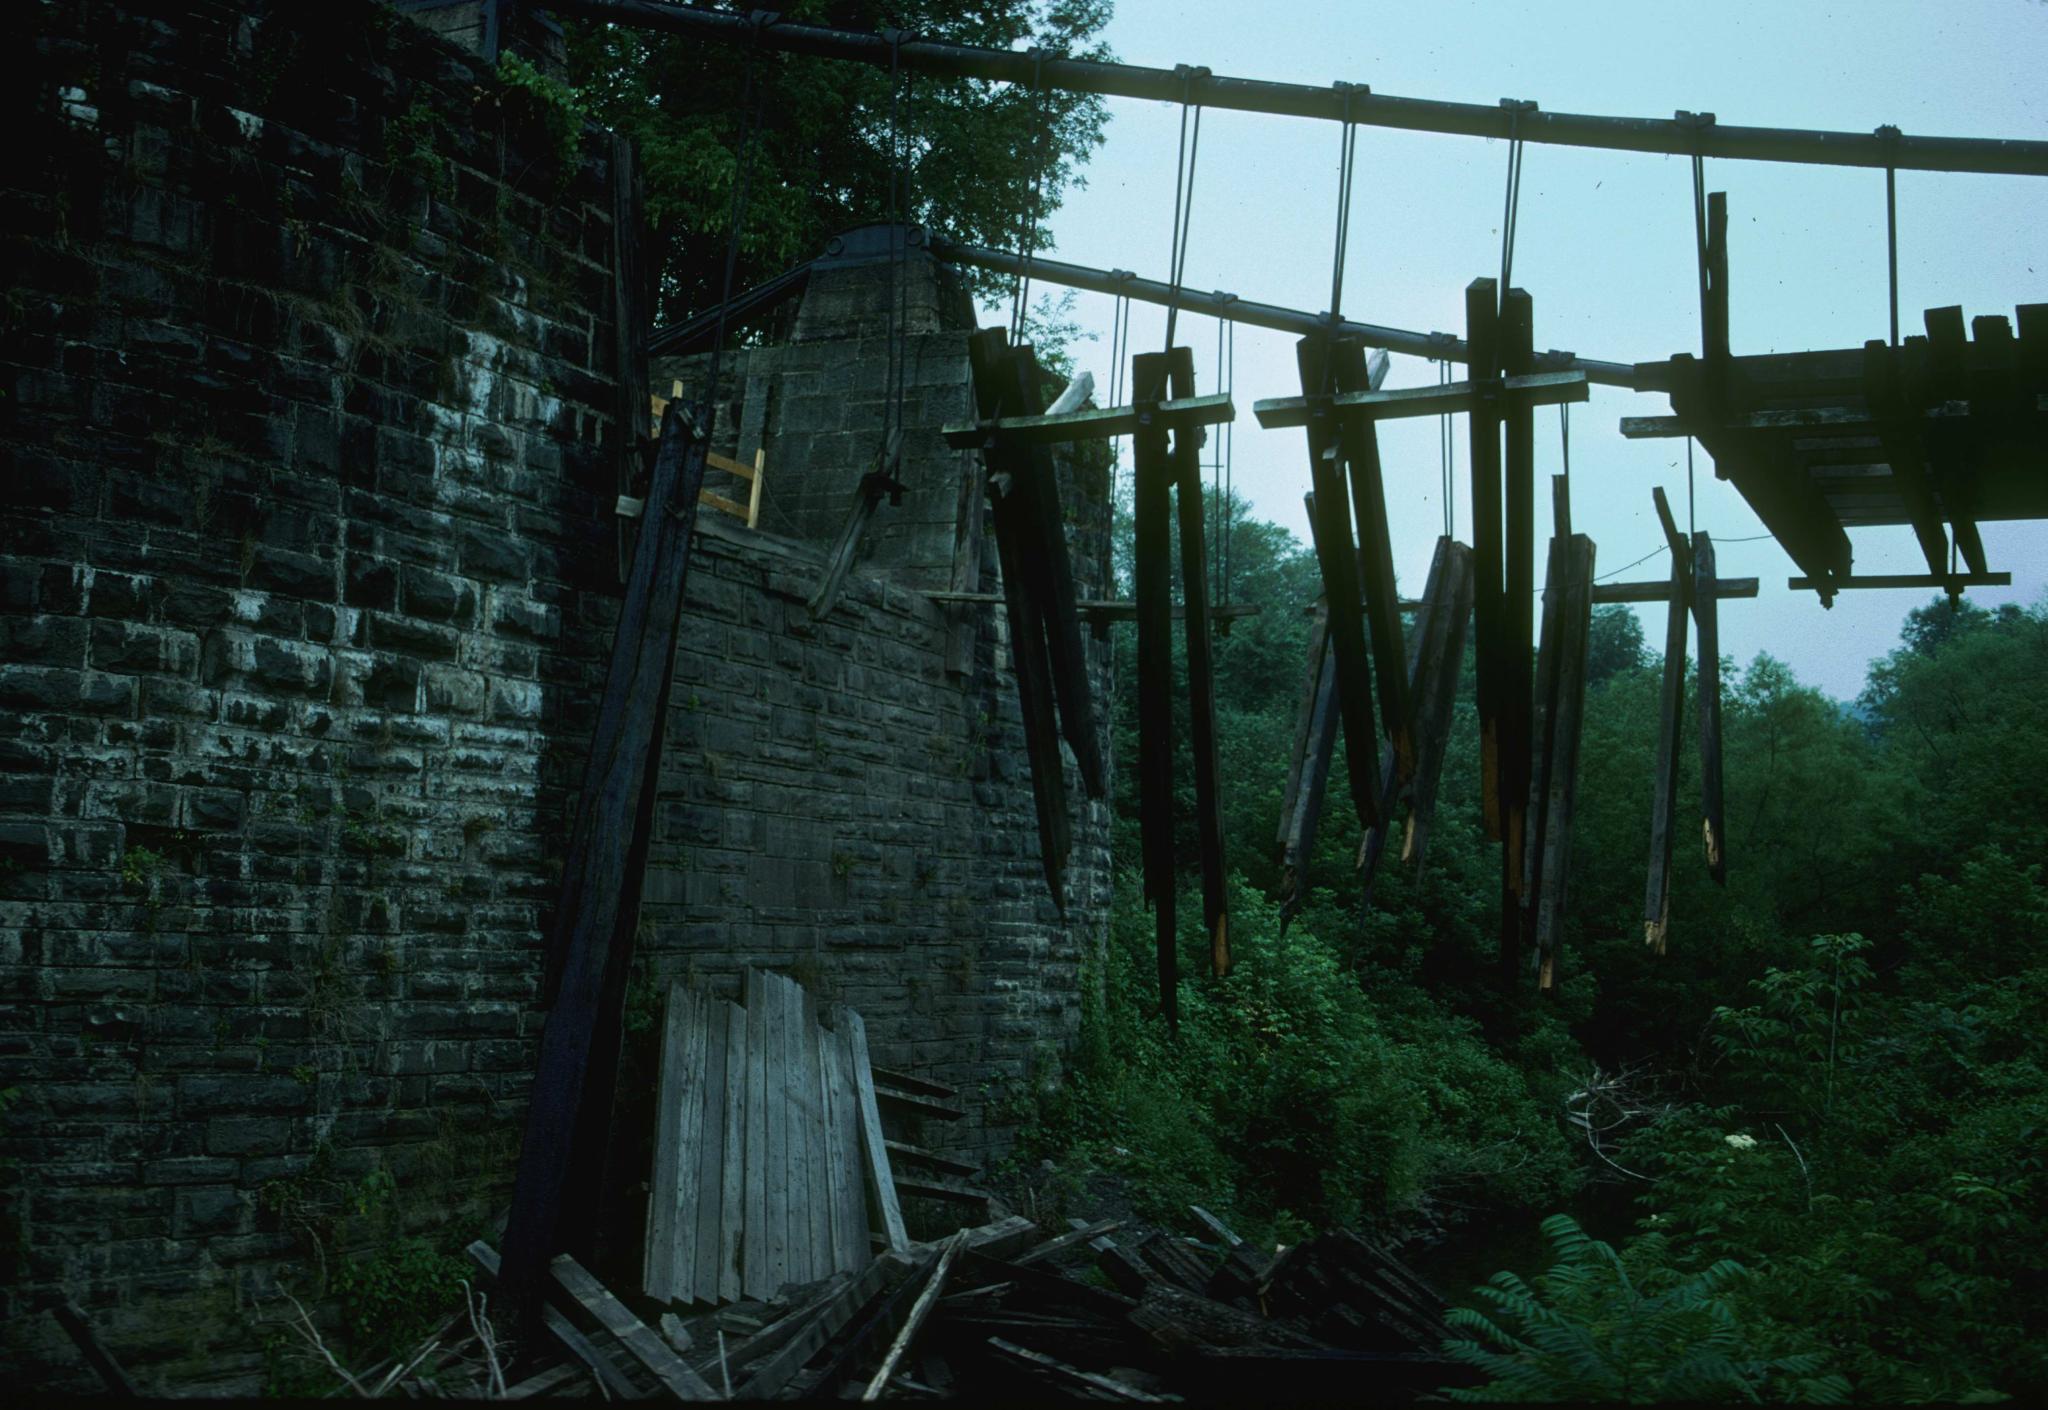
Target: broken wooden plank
{"type": "Point", "coordinates": [645, 1346]}
{"type": "Point", "coordinates": [1338, 559]}
{"type": "Point", "coordinates": [1941, 581]}
{"type": "Point", "coordinates": [799, 1336]}
{"type": "Point", "coordinates": [1609, 594]}
{"type": "Point", "coordinates": [613, 1381]}
{"type": "Point", "coordinates": [1151, 510]}
{"type": "Point", "coordinates": [1200, 648]}
{"type": "Point", "coordinates": [914, 1085]}
{"type": "Point", "coordinates": [885, 1214]}
{"type": "Point", "coordinates": [754, 1245]}
{"type": "Point", "coordinates": [559, 1379]}
{"type": "Point", "coordinates": [817, 1182]}
{"type": "Point", "coordinates": [669, 1191]}
{"type": "Point", "coordinates": [1315, 748]}
{"type": "Point", "coordinates": [1071, 1379]}
{"type": "Point", "coordinates": [711, 1213]}
{"type": "Point", "coordinates": [1053, 1247]}
{"type": "Point", "coordinates": [1705, 623]}
{"type": "Point", "coordinates": [75, 1326]}
{"type": "Point", "coordinates": [1439, 671]}
{"type": "Point", "coordinates": [919, 1310]}
{"type": "Point", "coordinates": [1670, 724]}
{"type": "Point", "coordinates": [569, 1112]}
{"type": "Point", "coordinates": [912, 1186]}
{"type": "Point", "coordinates": [916, 1103]}
{"type": "Point", "coordinates": [918, 1155]}
{"type": "Point", "coordinates": [734, 1206]}
{"type": "Point", "coordinates": [845, 1210]}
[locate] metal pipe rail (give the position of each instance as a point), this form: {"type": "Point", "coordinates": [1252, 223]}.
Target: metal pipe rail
{"type": "Point", "coordinates": [1684, 135]}
{"type": "Point", "coordinates": [1441, 346]}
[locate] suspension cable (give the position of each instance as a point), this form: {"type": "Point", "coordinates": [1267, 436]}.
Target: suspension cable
{"type": "Point", "coordinates": [1029, 217]}
{"type": "Point", "coordinates": [1447, 449]}
{"type": "Point", "coordinates": [1183, 212]}
{"type": "Point", "coordinates": [1890, 135]}
{"type": "Point", "coordinates": [1699, 225]}
{"type": "Point", "coordinates": [1347, 161]}
{"type": "Point", "coordinates": [1512, 201]}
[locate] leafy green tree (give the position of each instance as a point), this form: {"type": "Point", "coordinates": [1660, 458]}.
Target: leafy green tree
{"type": "Point", "coordinates": [823, 154]}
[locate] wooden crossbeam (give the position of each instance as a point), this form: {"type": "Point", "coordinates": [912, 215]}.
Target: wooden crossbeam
{"type": "Point", "coordinates": [1947, 582]}
{"type": "Point", "coordinates": [1107, 610]}
{"type": "Point", "coordinates": [1530, 389]}
{"type": "Point", "coordinates": [1607, 594]}
{"type": "Point", "coordinates": [1811, 418]}
{"type": "Point", "coordinates": [1194, 579]}
{"type": "Point", "coordinates": [1093, 424]}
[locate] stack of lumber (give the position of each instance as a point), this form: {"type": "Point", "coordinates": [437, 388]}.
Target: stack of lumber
{"type": "Point", "coordinates": [770, 1166]}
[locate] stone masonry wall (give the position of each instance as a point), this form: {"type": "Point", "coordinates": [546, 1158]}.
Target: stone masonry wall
{"type": "Point", "coordinates": [308, 567]}
{"type": "Point", "coordinates": [306, 366]}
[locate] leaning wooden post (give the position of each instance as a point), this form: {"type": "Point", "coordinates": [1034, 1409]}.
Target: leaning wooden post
{"type": "Point", "coordinates": [1439, 701]}
{"type": "Point", "coordinates": [1315, 737]}
{"type": "Point", "coordinates": [1706, 623]}
{"type": "Point", "coordinates": [594, 921]}
{"type": "Point", "coordinates": [1152, 590]}
{"type": "Point", "coordinates": [1670, 725]}
{"type": "Point", "coordinates": [988, 354]}
{"type": "Point", "coordinates": [1338, 559]}
{"type": "Point", "coordinates": [1194, 581]}
{"type": "Point", "coordinates": [1036, 480]}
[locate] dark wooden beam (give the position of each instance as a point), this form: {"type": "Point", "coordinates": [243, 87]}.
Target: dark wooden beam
{"type": "Point", "coordinates": [988, 355]}
{"type": "Point", "coordinates": [1482, 333]}
{"type": "Point", "coordinates": [1438, 672]}
{"type": "Point", "coordinates": [1670, 723]}
{"type": "Point", "coordinates": [1092, 424]}
{"type": "Point", "coordinates": [1527, 389]}
{"type": "Point", "coordinates": [1948, 444]}
{"type": "Point", "coordinates": [1315, 743]}
{"type": "Point", "coordinates": [1946, 582]}
{"type": "Point", "coordinates": [1900, 435]}
{"type": "Point", "coordinates": [1518, 600]}
{"type": "Point", "coordinates": [1571, 571]}
{"type": "Point", "coordinates": [1151, 511]}
{"type": "Point", "coordinates": [1194, 586]}
{"type": "Point", "coordinates": [1714, 824]}
{"type": "Point", "coordinates": [1035, 481]}
{"type": "Point", "coordinates": [1609, 594]}
{"type": "Point", "coordinates": [1360, 443]}
{"type": "Point", "coordinates": [1338, 559]}
{"type": "Point", "coordinates": [595, 921]}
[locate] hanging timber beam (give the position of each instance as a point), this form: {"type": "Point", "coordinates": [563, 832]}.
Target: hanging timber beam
{"type": "Point", "coordinates": [1607, 594]}
{"type": "Point", "coordinates": [1338, 559]}
{"type": "Point", "coordinates": [988, 355]}
{"type": "Point", "coordinates": [1684, 135]}
{"type": "Point", "coordinates": [1440, 347]}
{"type": "Point", "coordinates": [1200, 648]}
{"type": "Point", "coordinates": [1947, 447]}
{"type": "Point", "coordinates": [1308, 768]}
{"type": "Point", "coordinates": [1481, 324]}
{"type": "Point", "coordinates": [1359, 440]}
{"type": "Point", "coordinates": [1035, 482]}
{"type": "Point", "coordinates": [1151, 511]}
{"type": "Point", "coordinates": [1093, 424]}
{"type": "Point", "coordinates": [1904, 450]}
{"type": "Point", "coordinates": [1527, 389]}
{"type": "Point", "coordinates": [1102, 610]}
{"type": "Point", "coordinates": [1706, 623]}
{"type": "Point", "coordinates": [1946, 582]}
{"type": "Point", "coordinates": [1567, 619]}
{"type": "Point", "coordinates": [1518, 594]}
{"type": "Point", "coordinates": [1670, 724]}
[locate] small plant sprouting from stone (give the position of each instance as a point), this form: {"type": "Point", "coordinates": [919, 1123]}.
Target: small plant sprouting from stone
{"type": "Point", "coordinates": [140, 867]}
{"type": "Point", "coordinates": [842, 864]}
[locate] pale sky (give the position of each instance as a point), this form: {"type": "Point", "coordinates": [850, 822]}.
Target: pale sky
{"type": "Point", "coordinates": [1605, 243]}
